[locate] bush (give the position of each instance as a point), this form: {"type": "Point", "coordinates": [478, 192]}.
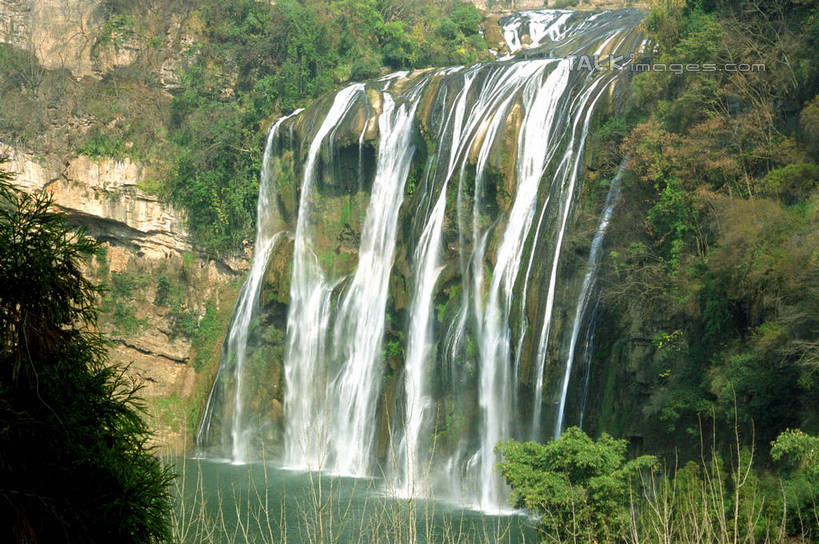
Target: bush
{"type": "Point", "coordinates": [799, 453]}
{"type": "Point", "coordinates": [365, 68]}
{"type": "Point", "coordinates": [102, 145]}
{"type": "Point", "coordinates": [791, 183]}
{"type": "Point", "coordinates": [206, 339]}
{"type": "Point", "coordinates": [578, 487]}
{"type": "Point", "coordinates": [467, 18]}
{"type": "Point", "coordinates": [447, 29]}
{"type": "Point", "coordinates": [183, 321]}
{"type": "Point", "coordinates": [163, 290]}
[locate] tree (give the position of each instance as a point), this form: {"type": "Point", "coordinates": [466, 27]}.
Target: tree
{"type": "Point", "coordinates": [798, 453]}
{"type": "Point", "coordinates": [74, 461]}
{"type": "Point", "coordinates": [578, 487]}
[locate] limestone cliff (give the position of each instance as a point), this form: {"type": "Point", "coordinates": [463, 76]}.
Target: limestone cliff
{"type": "Point", "coordinates": [144, 240]}
{"type": "Point", "coordinates": [66, 59]}
{"type": "Point", "coordinates": [79, 36]}
{"type": "Point", "coordinates": [104, 195]}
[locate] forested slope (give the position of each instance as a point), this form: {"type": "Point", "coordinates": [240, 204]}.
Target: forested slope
{"type": "Point", "coordinates": [711, 289]}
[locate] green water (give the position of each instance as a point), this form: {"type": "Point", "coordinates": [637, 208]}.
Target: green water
{"type": "Point", "coordinates": [221, 502]}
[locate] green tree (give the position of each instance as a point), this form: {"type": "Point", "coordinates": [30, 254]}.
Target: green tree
{"type": "Point", "coordinates": [578, 487]}
{"type": "Point", "coordinates": [799, 454]}
{"type": "Point", "coordinates": [74, 460]}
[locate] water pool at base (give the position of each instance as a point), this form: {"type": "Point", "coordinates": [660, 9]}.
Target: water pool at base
{"type": "Point", "coordinates": [221, 502]}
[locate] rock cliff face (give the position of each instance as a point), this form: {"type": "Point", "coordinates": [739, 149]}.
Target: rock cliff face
{"type": "Point", "coordinates": [58, 32]}
{"type": "Point", "coordinates": [78, 36]}
{"type": "Point", "coordinates": [159, 286]}
{"type": "Point", "coordinates": [143, 239]}
{"type": "Point", "coordinates": [105, 196]}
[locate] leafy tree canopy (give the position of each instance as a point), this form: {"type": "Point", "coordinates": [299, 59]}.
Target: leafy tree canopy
{"type": "Point", "coordinates": [578, 486]}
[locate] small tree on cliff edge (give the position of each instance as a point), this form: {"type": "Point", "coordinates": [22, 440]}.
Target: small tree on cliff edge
{"type": "Point", "coordinates": [74, 464]}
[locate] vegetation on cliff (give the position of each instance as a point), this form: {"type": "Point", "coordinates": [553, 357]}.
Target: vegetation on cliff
{"type": "Point", "coordinates": [715, 249]}
{"type": "Point", "coordinates": [256, 60]}
{"type": "Point", "coordinates": [196, 85]}
{"type": "Point", "coordinates": [74, 460]}
{"type": "Point", "coordinates": [710, 294]}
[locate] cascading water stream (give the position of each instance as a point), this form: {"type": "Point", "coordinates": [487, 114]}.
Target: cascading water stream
{"type": "Point", "coordinates": [569, 168]}
{"type": "Point", "coordinates": [535, 24]}
{"type": "Point", "coordinates": [268, 233]}
{"type": "Point", "coordinates": [413, 478]}
{"type": "Point", "coordinates": [494, 346]}
{"type": "Point", "coordinates": [588, 354]}
{"type": "Point", "coordinates": [445, 263]}
{"type": "Point", "coordinates": [496, 94]}
{"type": "Point", "coordinates": [309, 316]}
{"type": "Point", "coordinates": [359, 326]}
{"type": "Point", "coordinates": [612, 199]}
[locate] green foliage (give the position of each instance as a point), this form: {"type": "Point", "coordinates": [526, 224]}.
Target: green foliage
{"type": "Point", "coordinates": [102, 260]}
{"type": "Point", "coordinates": [716, 236]}
{"type": "Point", "coordinates": [74, 459]}
{"type": "Point", "coordinates": [124, 317]}
{"type": "Point", "coordinates": [115, 28]}
{"type": "Point", "coordinates": [467, 18]}
{"type": "Point", "coordinates": [672, 220]}
{"type": "Point", "coordinates": [187, 264]}
{"type": "Point", "coordinates": [798, 452]}
{"type": "Point", "coordinates": [163, 290]}
{"type": "Point", "coordinates": [123, 284]}
{"type": "Point", "coordinates": [118, 303]}
{"type": "Point", "coordinates": [258, 59]}
{"type": "Point", "coordinates": [207, 338]}
{"type": "Point", "coordinates": [393, 348]}
{"type": "Point", "coordinates": [183, 321]}
{"type": "Point", "coordinates": [577, 486]}
{"type": "Point", "coordinates": [791, 182]}
{"type": "Point", "coordinates": [102, 145]}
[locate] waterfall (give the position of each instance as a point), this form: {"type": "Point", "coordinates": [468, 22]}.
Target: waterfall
{"type": "Point", "coordinates": [588, 353]}
{"type": "Point", "coordinates": [360, 320]}
{"type": "Point", "coordinates": [412, 479]}
{"type": "Point", "coordinates": [612, 199]}
{"type": "Point", "coordinates": [494, 346]}
{"type": "Point", "coordinates": [569, 166]}
{"type": "Point", "coordinates": [449, 194]}
{"type": "Point", "coordinates": [535, 24]}
{"type": "Point", "coordinates": [268, 232]}
{"type": "Point", "coordinates": [308, 317]}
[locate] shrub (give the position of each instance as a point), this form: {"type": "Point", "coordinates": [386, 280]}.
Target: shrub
{"type": "Point", "coordinates": [467, 18]}
{"type": "Point", "coordinates": [799, 453]}
{"type": "Point", "coordinates": [578, 487]}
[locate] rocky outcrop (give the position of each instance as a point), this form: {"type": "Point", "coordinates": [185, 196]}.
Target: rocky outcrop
{"type": "Point", "coordinates": [82, 37]}
{"type": "Point", "coordinates": [143, 239]}
{"type": "Point", "coordinates": [105, 196]}
{"type": "Point", "coordinates": [59, 32]}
